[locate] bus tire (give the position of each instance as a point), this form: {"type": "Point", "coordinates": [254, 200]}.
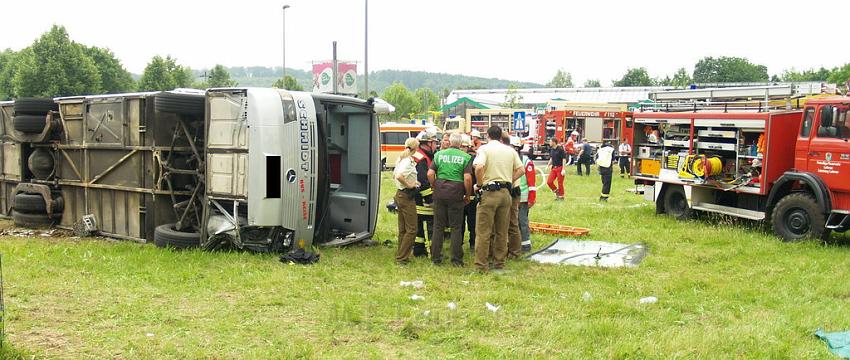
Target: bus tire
{"type": "Point", "coordinates": [30, 124]}
{"type": "Point", "coordinates": [32, 221]}
{"type": "Point", "coordinates": [167, 236]}
{"type": "Point", "coordinates": [35, 106]}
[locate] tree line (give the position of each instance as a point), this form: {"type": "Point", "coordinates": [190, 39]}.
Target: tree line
{"type": "Point", "coordinates": [723, 69]}
{"type": "Point", "coordinates": [54, 65]}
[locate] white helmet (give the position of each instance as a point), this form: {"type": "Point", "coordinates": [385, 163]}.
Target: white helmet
{"type": "Point", "coordinates": [429, 134]}
{"type": "Point", "coordinates": [475, 133]}
{"type": "Point", "coordinates": [465, 140]}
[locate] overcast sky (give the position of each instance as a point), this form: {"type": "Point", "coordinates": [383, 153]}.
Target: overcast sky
{"type": "Point", "coordinates": [517, 40]}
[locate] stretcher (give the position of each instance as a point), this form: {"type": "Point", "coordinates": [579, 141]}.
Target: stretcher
{"type": "Point", "coordinates": [557, 229]}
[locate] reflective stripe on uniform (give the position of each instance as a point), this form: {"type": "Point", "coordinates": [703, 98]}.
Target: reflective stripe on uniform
{"type": "Point", "coordinates": [424, 210]}
{"type": "Point", "coordinates": [426, 192]}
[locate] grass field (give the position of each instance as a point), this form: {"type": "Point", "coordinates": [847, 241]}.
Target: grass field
{"type": "Point", "coordinates": [726, 289]}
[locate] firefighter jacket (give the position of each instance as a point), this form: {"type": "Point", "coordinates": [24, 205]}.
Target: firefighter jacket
{"type": "Point", "coordinates": [423, 160]}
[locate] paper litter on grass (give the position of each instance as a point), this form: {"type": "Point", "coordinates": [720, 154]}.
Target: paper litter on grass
{"type": "Point", "coordinates": [416, 284]}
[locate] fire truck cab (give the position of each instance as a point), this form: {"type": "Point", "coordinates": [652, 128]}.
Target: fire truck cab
{"type": "Point", "coordinates": [787, 166]}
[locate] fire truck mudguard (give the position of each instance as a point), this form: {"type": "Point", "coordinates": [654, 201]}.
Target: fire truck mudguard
{"type": "Point", "coordinates": [785, 186]}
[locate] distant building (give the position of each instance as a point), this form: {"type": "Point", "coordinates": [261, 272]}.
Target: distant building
{"type": "Point", "coordinates": [538, 98]}
{"type": "Point", "coordinates": [460, 106]}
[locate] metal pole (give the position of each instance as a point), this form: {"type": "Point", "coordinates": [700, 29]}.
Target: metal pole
{"type": "Point", "coordinates": [366, 51]}
{"type": "Point", "coordinates": [335, 75]}
{"type": "Point", "coordinates": [284, 43]}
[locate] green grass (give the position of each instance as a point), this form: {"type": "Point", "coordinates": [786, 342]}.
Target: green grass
{"type": "Point", "coordinates": [726, 289]}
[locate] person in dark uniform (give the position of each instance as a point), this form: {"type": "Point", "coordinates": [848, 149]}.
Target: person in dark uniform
{"type": "Point", "coordinates": [425, 214]}
{"type": "Point", "coordinates": [472, 207]}
{"type": "Point", "coordinates": [451, 178]}
{"type": "Point", "coordinates": [585, 157]}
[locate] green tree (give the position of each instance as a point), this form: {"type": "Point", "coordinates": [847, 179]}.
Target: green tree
{"type": "Point", "coordinates": [55, 66]}
{"type": "Point", "coordinates": [793, 75]}
{"type": "Point", "coordinates": [288, 83]}
{"type": "Point", "coordinates": [428, 98]}
{"type": "Point", "coordinates": [592, 83]}
{"type": "Point", "coordinates": [681, 79]}
{"type": "Point", "coordinates": [728, 69]}
{"type": "Point", "coordinates": [219, 77]}
{"type": "Point", "coordinates": [840, 75]}
{"type": "Point", "coordinates": [513, 100]}
{"type": "Point", "coordinates": [562, 79]}
{"type": "Point", "coordinates": [164, 74]}
{"type": "Point", "coordinates": [635, 77]}
{"type": "Point", "coordinates": [113, 77]}
{"type": "Point", "coordinates": [406, 104]}
{"type": "Point", "coordinates": [8, 63]}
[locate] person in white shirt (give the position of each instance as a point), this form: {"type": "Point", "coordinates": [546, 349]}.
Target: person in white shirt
{"type": "Point", "coordinates": [404, 176]}
{"type": "Point", "coordinates": [624, 153]}
{"type": "Point", "coordinates": [605, 162]}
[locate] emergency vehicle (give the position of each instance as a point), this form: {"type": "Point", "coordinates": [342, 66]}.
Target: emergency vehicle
{"type": "Point", "coordinates": [788, 166]}
{"type": "Point", "coordinates": [482, 119]}
{"type": "Point", "coordinates": [596, 122]}
{"type": "Point", "coordinates": [393, 136]}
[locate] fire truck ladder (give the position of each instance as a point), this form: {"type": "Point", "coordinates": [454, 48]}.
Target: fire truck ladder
{"type": "Point", "coordinates": [753, 98]}
{"type": "Point", "coordinates": [557, 229]}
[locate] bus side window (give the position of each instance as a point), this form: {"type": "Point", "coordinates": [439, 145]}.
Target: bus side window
{"type": "Point", "coordinates": [808, 119]}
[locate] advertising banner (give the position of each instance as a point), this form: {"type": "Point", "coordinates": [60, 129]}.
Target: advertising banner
{"type": "Point", "coordinates": [346, 77]}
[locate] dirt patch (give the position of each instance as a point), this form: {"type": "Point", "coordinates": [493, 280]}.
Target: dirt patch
{"type": "Point", "coordinates": [46, 341]}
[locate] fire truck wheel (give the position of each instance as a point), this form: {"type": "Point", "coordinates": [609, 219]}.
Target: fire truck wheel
{"type": "Point", "coordinates": [676, 203]}
{"type": "Point", "coordinates": [31, 124]}
{"type": "Point", "coordinates": [30, 203]}
{"type": "Point", "coordinates": [31, 220]}
{"type": "Point", "coordinates": [167, 236]}
{"type": "Point", "coordinates": [182, 104]}
{"type": "Point", "coordinates": [797, 216]}
{"type": "Point", "coordinates": [34, 106]}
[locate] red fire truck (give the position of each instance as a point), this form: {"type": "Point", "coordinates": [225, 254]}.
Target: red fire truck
{"type": "Point", "coordinates": [596, 122]}
{"type": "Point", "coordinates": [786, 166]}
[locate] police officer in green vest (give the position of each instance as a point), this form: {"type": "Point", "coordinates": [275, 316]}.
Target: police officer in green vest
{"type": "Point", "coordinates": [450, 176]}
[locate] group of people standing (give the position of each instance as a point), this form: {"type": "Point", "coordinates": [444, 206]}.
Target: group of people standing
{"type": "Point", "coordinates": [487, 189]}
{"type": "Point", "coordinates": [583, 155]}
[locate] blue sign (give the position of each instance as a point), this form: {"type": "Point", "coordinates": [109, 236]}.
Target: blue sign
{"type": "Point", "coordinates": [519, 120]}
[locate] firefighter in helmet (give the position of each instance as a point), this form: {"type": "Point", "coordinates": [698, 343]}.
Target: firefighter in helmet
{"type": "Point", "coordinates": [425, 214]}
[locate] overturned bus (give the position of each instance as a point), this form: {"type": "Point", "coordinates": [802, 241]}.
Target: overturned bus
{"type": "Point", "coordinates": [250, 168]}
